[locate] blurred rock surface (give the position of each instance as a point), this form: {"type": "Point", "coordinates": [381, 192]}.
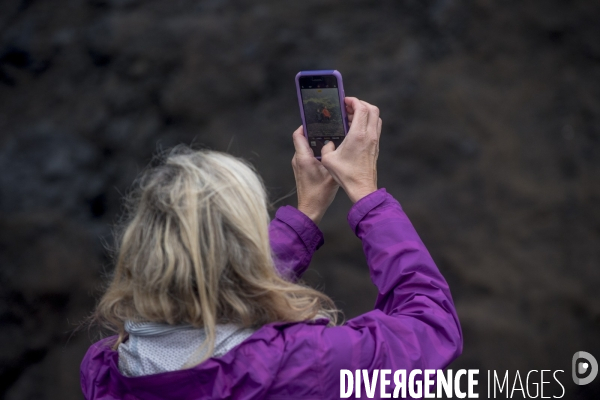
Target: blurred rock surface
{"type": "Point", "coordinates": [491, 142]}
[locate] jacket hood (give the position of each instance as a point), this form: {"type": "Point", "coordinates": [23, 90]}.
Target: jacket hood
{"type": "Point", "coordinates": [246, 371]}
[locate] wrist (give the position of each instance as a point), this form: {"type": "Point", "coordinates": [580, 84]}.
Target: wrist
{"type": "Point", "coordinates": [355, 194]}
{"type": "Point", "coordinates": [310, 212]}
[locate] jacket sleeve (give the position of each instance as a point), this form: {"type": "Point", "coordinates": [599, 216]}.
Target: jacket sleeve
{"type": "Point", "coordinates": [294, 239]}
{"type": "Point", "coordinates": [414, 324]}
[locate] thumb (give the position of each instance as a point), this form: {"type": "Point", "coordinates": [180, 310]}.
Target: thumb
{"type": "Point", "coordinates": [328, 148]}
{"type": "Point", "coordinates": [301, 144]}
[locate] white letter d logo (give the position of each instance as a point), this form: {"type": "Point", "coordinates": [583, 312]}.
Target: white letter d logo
{"type": "Point", "coordinates": [583, 367]}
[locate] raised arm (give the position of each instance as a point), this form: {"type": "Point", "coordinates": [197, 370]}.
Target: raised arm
{"type": "Point", "coordinates": [399, 263]}
{"type": "Point", "coordinates": [294, 239]}
{"type": "Point", "coordinates": [414, 324]}
{"type": "Point", "coordinates": [293, 232]}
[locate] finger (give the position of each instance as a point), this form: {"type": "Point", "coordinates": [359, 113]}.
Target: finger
{"type": "Point", "coordinates": [349, 110]}
{"type": "Point", "coordinates": [328, 148]}
{"type": "Point", "coordinates": [301, 144]}
{"type": "Point", "coordinates": [361, 115]}
{"type": "Point", "coordinates": [351, 104]}
{"type": "Point", "coordinates": [379, 123]}
{"type": "Point", "coordinates": [373, 119]}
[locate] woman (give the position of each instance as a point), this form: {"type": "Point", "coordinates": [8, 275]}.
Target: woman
{"type": "Point", "coordinates": [204, 300]}
{"type": "Point", "coordinates": [326, 114]}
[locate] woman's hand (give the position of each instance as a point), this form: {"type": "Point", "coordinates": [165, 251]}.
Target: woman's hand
{"type": "Point", "coordinates": [315, 186]}
{"type": "Point", "coordinates": [354, 163]}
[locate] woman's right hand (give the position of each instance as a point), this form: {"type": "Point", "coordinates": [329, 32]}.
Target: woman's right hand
{"type": "Point", "coordinates": [354, 163]}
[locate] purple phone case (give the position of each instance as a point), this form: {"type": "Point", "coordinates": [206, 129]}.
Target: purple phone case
{"type": "Point", "coordinates": [341, 93]}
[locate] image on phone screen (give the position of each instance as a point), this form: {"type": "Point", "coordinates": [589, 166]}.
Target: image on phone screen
{"type": "Point", "coordinates": [322, 111]}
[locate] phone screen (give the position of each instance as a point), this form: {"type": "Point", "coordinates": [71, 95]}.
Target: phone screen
{"type": "Point", "coordinates": [322, 111]}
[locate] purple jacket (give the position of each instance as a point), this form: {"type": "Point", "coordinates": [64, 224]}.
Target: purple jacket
{"type": "Point", "coordinates": [414, 324]}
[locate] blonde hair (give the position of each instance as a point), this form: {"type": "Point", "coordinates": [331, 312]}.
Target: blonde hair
{"type": "Point", "coordinates": [195, 250]}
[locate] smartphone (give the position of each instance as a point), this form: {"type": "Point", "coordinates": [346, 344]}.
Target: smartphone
{"type": "Point", "coordinates": [322, 107]}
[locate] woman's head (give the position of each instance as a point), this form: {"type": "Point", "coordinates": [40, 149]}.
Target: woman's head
{"type": "Point", "coordinates": [195, 250]}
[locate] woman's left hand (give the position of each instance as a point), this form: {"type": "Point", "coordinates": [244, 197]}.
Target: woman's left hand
{"type": "Point", "coordinates": [315, 186]}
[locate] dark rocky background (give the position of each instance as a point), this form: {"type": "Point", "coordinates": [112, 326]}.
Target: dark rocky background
{"type": "Point", "coordinates": [491, 142]}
